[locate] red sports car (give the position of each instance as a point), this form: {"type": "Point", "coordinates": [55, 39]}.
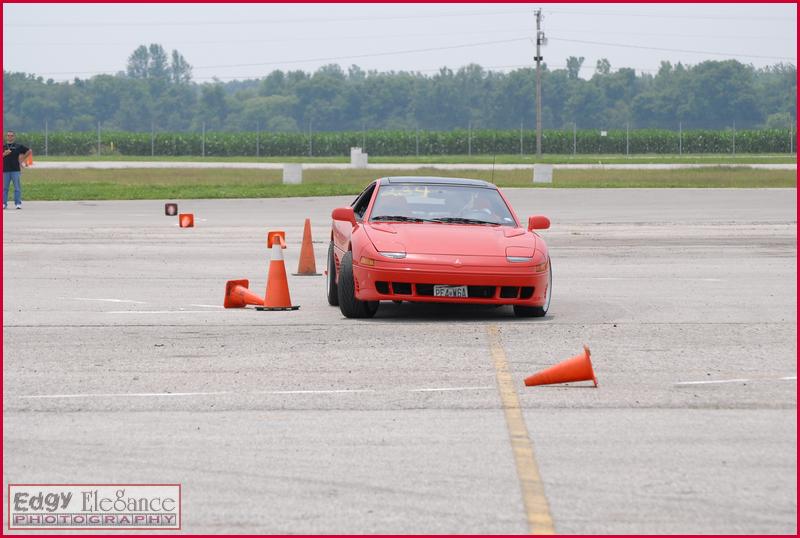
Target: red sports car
{"type": "Point", "coordinates": [437, 240]}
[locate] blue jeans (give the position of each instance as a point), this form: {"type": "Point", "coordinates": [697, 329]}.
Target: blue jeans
{"type": "Point", "coordinates": [8, 177]}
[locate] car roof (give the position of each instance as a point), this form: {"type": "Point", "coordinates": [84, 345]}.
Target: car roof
{"type": "Point", "coordinates": [425, 180]}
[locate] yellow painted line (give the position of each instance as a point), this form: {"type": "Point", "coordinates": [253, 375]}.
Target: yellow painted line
{"type": "Point", "coordinates": [537, 509]}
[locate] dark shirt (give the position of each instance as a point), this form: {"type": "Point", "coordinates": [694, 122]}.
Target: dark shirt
{"type": "Point", "coordinates": [11, 161]}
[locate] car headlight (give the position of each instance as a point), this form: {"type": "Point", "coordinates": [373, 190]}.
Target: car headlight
{"type": "Point", "coordinates": [541, 267]}
{"type": "Point", "coordinates": [519, 259]}
{"type": "Point", "coordinates": [394, 255]}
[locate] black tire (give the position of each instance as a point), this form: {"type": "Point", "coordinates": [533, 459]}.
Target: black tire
{"type": "Point", "coordinates": [348, 304]}
{"type": "Point", "coordinates": [537, 311]}
{"type": "Point", "coordinates": [330, 281]}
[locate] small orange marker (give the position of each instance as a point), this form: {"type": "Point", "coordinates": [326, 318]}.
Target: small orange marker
{"type": "Point", "coordinates": [186, 220]}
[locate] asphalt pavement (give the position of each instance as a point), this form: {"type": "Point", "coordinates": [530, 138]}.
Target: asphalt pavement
{"type": "Point", "coordinates": [121, 366]}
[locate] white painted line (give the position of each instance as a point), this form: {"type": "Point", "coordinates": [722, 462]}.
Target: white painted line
{"type": "Point", "coordinates": [121, 395]}
{"type": "Point", "coordinates": [446, 389]}
{"type": "Point", "coordinates": [207, 305]}
{"type": "Point", "coordinates": [717, 381]}
{"type": "Point", "coordinates": [216, 393]}
{"type": "Point", "coordinates": [339, 391]}
{"type": "Point", "coordinates": [712, 382]}
{"type": "Point", "coordinates": [697, 279]}
{"type": "Point", "coordinates": [108, 165]}
{"type": "Point", "coordinates": [110, 300]}
{"type": "Point", "coordinates": [162, 311]}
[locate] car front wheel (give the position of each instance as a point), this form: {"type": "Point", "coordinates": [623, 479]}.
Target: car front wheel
{"type": "Point", "coordinates": [350, 306]}
{"type": "Point", "coordinates": [330, 280]}
{"type": "Point", "coordinates": [538, 311]}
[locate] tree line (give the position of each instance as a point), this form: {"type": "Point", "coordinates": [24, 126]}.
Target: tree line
{"type": "Point", "coordinates": [156, 91]}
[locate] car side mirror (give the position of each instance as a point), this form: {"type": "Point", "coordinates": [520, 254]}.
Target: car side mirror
{"type": "Point", "coordinates": [538, 222]}
{"type": "Point", "coordinates": [344, 214]}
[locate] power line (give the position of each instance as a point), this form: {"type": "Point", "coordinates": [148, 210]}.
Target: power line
{"type": "Point", "coordinates": [739, 37]}
{"type": "Point", "coordinates": [663, 15]}
{"type": "Point", "coordinates": [627, 46]}
{"type": "Point", "coordinates": [287, 39]}
{"type": "Point", "coordinates": [219, 22]}
{"type": "Point", "coordinates": [326, 59]}
{"type": "Point", "coordinates": [317, 37]}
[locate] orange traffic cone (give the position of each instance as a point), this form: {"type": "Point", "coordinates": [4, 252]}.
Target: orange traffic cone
{"type": "Point", "coordinates": [170, 210]}
{"type": "Point", "coordinates": [29, 160]}
{"type": "Point", "coordinates": [186, 220]}
{"type": "Point", "coordinates": [577, 368]}
{"type": "Point", "coordinates": [277, 294]}
{"type": "Point", "coordinates": [307, 265]}
{"type": "Point", "coordinates": [238, 295]}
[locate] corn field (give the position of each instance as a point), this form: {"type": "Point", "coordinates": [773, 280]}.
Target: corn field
{"type": "Point", "coordinates": [408, 143]}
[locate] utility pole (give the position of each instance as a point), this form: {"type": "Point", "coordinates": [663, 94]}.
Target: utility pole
{"type": "Point", "coordinates": [540, 40]}
{"type": "Point", "coordinates": [627, 139]}
{"type": "Point", "coordinates": [310, 138]}
{"type": "Point", "coordinates": [574, 138]}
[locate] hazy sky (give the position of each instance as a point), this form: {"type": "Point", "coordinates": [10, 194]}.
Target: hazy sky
{"type": "Point", "coordinates": [238, 41]}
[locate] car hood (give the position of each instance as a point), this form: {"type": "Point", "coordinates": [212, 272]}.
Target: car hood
{"type": "Point", "coordinates": [455, 239]}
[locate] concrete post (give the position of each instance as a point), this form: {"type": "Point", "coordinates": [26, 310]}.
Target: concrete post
{"type": "Point", "coordinates": [542, 173]}
{"type": "Point", "coordinates": [292, 173]}
{"type": "Point", "coordinates": [358, 159]}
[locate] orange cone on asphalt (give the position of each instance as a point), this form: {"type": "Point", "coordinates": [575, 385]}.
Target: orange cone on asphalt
{"type": "Point", "coordinates": [238, 295]}
{"type": "Point", "coordinates": [307, 265]}
{"type": "Point", "coordinates": [186, 220]}
{"type": "Point", "coordinates": [277, 294]}
{"type": "Point", "coordinates": [577, 368]}
{"type": "Point", "coordinates": [170, 209]}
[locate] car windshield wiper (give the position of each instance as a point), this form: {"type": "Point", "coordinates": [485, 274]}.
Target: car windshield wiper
{"type": "Point", "coordinates": [398, 218]}
{"type": "Point", "coordinates": [461, 220]}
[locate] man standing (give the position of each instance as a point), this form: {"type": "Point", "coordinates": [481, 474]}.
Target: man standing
{"type": "Point", "coordinates": [13, 155]}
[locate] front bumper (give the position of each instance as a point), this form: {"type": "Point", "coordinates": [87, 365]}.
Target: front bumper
{"type": "Point", "coordinates": [487, 283]}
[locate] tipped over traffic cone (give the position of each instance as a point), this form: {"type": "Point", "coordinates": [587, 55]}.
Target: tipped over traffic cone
{"type": "Point", "coordinates": [186, 220]}
{"type": "Point", "coordinates": [170, 210]}
{"type": "Point", "coordinates": [277, 294]}
{"type": "Point", "coordinates": [577, 368]}
{"type": "Point", "coordinates": [238, 295]}
{"type": "Point", "coordinates": [307, 265]}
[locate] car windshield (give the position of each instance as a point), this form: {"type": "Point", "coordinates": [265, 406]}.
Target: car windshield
{"type": "Point", "coordinates": [449, 204]}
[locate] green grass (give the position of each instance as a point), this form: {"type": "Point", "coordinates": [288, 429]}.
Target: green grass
{"type": "Point", "coordinates": [457, 159]}
{"type": "Point", "coordinates": [142, 184]}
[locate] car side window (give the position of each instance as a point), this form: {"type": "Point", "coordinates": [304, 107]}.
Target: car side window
{"type": "Point", "coordinates": [361, 204]}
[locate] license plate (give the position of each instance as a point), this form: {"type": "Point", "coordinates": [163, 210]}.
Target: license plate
{"type": "Point", "coordinates": [449, 291]}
